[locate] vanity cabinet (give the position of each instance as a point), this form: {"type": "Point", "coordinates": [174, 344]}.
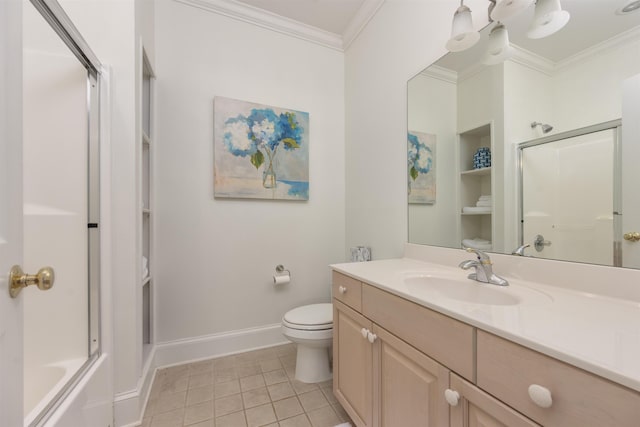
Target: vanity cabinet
{"type": "Point", "coordinates": [398, 363]}
{"type": "Point", "coordinates": [471, 406]}
{"type": "Point", "coordinates": [408, 385]}
{"type": "Point", "coordinates": [575, 397]}
{"type": "Point", "coordinates": [379, 378]}
{"type": "Point", "coordinates": [353, 363]}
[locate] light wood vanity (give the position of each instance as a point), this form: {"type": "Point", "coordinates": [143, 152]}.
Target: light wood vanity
{"type": "Point", "coordinates": [397, 363]}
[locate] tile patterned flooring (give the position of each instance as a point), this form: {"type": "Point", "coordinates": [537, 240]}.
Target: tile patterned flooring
{"type": "Point", "coordinates": [250, 389]}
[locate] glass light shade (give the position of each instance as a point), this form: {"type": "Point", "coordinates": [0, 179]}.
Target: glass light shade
{"type": "Point", "coordinates": [463, 36]}
{"type": "Point", "coordinates": [508, 8]}
{"type": "Point", "coordinates": [547, 19]}
{"type": "Point", "coordinates": [632, 6]}
{"type": "Point", "coordinates": [499, 47]}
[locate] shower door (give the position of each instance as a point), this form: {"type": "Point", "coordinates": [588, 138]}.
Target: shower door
{"type": "Point", "coordinates": [569, 196]}
{"type": "Point", "coordinates": [49, 218]}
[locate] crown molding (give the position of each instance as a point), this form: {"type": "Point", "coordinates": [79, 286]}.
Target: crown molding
{"type": "Point", "coordinates": [622, 39]}
{"type": "Point", "coordinates": [268, 20]}
{"type": "Point", "coordinates": [532, 60]}
{"type": "Point", "coordinates": [366, 12]}
{"type": "Point", "coordinates": [441, 73]}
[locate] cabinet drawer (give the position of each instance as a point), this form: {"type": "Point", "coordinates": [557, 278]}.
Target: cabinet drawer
{"type": "Point", "coordinates": [478, 408]}
{"type": "Point", "coordinates": [579, 398]}
{"type": "Point", "coordinates": [347, 290]}
{"type": "Point", "coordinates": [444, 339]}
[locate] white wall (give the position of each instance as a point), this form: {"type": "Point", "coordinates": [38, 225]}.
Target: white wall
{"type": "Point", "coordinates": [594, 87]}
{"type": "Point", "coordinates": [433, 223]}
{"type": "Point", "coordinates": [528, 97]}
{"type": "Point", "coordinates": [401, 40]}
{"type": "Point", "coordinates": [216, 257]}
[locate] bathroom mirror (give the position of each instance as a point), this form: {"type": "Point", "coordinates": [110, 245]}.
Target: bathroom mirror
{"type": "Point", "coordinates": [584, 76]}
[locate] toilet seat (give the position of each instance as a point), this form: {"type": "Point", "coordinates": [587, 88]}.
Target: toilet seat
{"type": "Point", "coordinates": [313, 317]}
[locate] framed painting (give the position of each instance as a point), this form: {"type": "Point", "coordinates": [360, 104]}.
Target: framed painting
{"type": "Point", "coordinates": [260, 151]}
{"type": "Point", "coordinates": [421, 168]}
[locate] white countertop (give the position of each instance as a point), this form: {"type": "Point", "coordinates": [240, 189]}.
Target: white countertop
{"type": "Point", "coordinates": [599, 334]}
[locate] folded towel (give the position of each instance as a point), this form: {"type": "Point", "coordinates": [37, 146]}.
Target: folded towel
{"type": "Point", "coordinates": [476, 209]}
{"type": "Point", "coordinates": [483, 245]}
{"type": "Point", "coordinates": [485, 198]}
{"type": "Point", "coordinates": [485, 203]}
{"type": "Point", "coordinates": [344, 425]}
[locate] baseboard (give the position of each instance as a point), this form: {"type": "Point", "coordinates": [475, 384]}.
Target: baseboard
{"type": "Point", "coordinates": [216, 345]}
{"type": "Point", "coordinates": [129, 405]}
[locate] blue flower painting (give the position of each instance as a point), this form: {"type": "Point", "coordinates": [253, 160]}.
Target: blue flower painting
{"type": "Point", "coordinates": [260, 152]}
{"type": "Point", "coordinates": [421, 167]}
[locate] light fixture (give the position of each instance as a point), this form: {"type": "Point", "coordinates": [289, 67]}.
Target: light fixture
{"type": "Point", "coordinates": [547, 19]}
{"type": "Point", "coordinates": [463, 36]}
{"type": "Point", "coordinates": [545, 127]}
{"type": "Point", "coordinates": [505, 9]}
{"type": "Point", "coordinates": [499, 47]}
{"type": "Point", "coordinates": [631, 6]}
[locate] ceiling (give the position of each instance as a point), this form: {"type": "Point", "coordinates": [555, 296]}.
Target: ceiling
{"type": "Point", "coordinates": [333, 16]}
{"type": "Point", "coordinates": [592, 21]}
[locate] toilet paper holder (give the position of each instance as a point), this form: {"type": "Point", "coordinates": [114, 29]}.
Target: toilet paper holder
{"type": "Point", "coordinates": [281, 270]}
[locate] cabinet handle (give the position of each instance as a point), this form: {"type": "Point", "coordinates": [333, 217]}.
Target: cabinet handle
{"type": "Point", "coordinates": [452, 397]}
{"type": "Point", "coordinates": [541, 396]}
{"type": "Point", "coordinates": [364, 332]}
{"type": "Point", "coordinates": [342, 289]}
{"type": "Point", "coordinates": [372, 337]}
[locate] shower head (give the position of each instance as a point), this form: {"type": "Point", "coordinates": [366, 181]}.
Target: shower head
{"type": "Point", "coordinates": [545, 127]}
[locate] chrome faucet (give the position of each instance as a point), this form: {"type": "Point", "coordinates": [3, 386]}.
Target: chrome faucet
{"type": "Point", "coordinates": [484, 273]}
{"type": "Point", "coordinates": [520, 250]}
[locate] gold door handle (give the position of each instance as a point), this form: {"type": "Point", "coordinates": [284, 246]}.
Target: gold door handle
{"type": "Point", "coordinates": [17, 279]}
{"type": "Point", "coordinates": [633, 236]}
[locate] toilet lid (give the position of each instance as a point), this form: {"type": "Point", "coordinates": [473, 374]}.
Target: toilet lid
{"type": "Point", "coordinates": [314, 316]}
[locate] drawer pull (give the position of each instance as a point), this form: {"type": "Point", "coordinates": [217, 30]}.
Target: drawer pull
{"type": "Point", "coordinates": [372, 337]}
{"type": "Point", "coordinates": [364, 332]}
{"type": "Point", "coordinates": [541, 396]}
{"type": "Point", "coordinates": [342, 289]}
{"type": "Point", "coordinates": [452, 397]}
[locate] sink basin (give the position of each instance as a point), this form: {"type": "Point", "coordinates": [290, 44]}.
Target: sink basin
{"type": "Point", "coordinates": [473, 292]}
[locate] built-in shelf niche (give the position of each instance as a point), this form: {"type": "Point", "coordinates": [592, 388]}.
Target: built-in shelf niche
{"type": "Point", "coordinates": [146, 182]}
{"type": "Point", "coordinates": [474, 183]}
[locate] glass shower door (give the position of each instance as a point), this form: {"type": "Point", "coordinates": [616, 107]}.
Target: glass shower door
{"type": "Point", "coordinates": [568, 197]}
{"type": "Point", "coordinates": [60, 206]}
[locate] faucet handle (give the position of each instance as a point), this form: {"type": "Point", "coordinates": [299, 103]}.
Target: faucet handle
{"type": "Point", "coordinates": [520, 250]}
{"type": "Point", "coordinates": [482, 256]}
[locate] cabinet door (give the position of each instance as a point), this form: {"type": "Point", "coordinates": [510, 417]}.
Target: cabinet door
{"type": "Point", "coordinates": [409, 386]}
{"type": "Point", "coordinates": [475, 408]}
{"type": "Point", "coordinates": [352, 364]}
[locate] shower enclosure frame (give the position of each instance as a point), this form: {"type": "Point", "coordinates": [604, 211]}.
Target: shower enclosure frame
{"type": "Point", "coordinates": [616, 126]}
{"type": "Point", "coordinates": [57, 18]}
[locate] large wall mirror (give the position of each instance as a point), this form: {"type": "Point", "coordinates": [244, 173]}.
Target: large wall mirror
{"type": "Point", "coordinates": [542, 149]}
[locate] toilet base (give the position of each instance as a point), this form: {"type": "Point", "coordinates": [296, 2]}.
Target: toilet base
{"type": "Point", "coordinates": [312, 364]}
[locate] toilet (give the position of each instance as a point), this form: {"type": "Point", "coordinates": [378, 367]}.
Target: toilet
{"type": "Point", "coordinates": [310, 327]}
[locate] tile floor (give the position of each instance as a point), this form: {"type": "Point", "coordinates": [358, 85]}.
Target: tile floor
{"type": "Point", "coordinates": [250, 389]}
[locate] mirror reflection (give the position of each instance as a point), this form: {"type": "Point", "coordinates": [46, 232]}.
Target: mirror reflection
{"type": "Point", "coordinates": [467, 123]}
